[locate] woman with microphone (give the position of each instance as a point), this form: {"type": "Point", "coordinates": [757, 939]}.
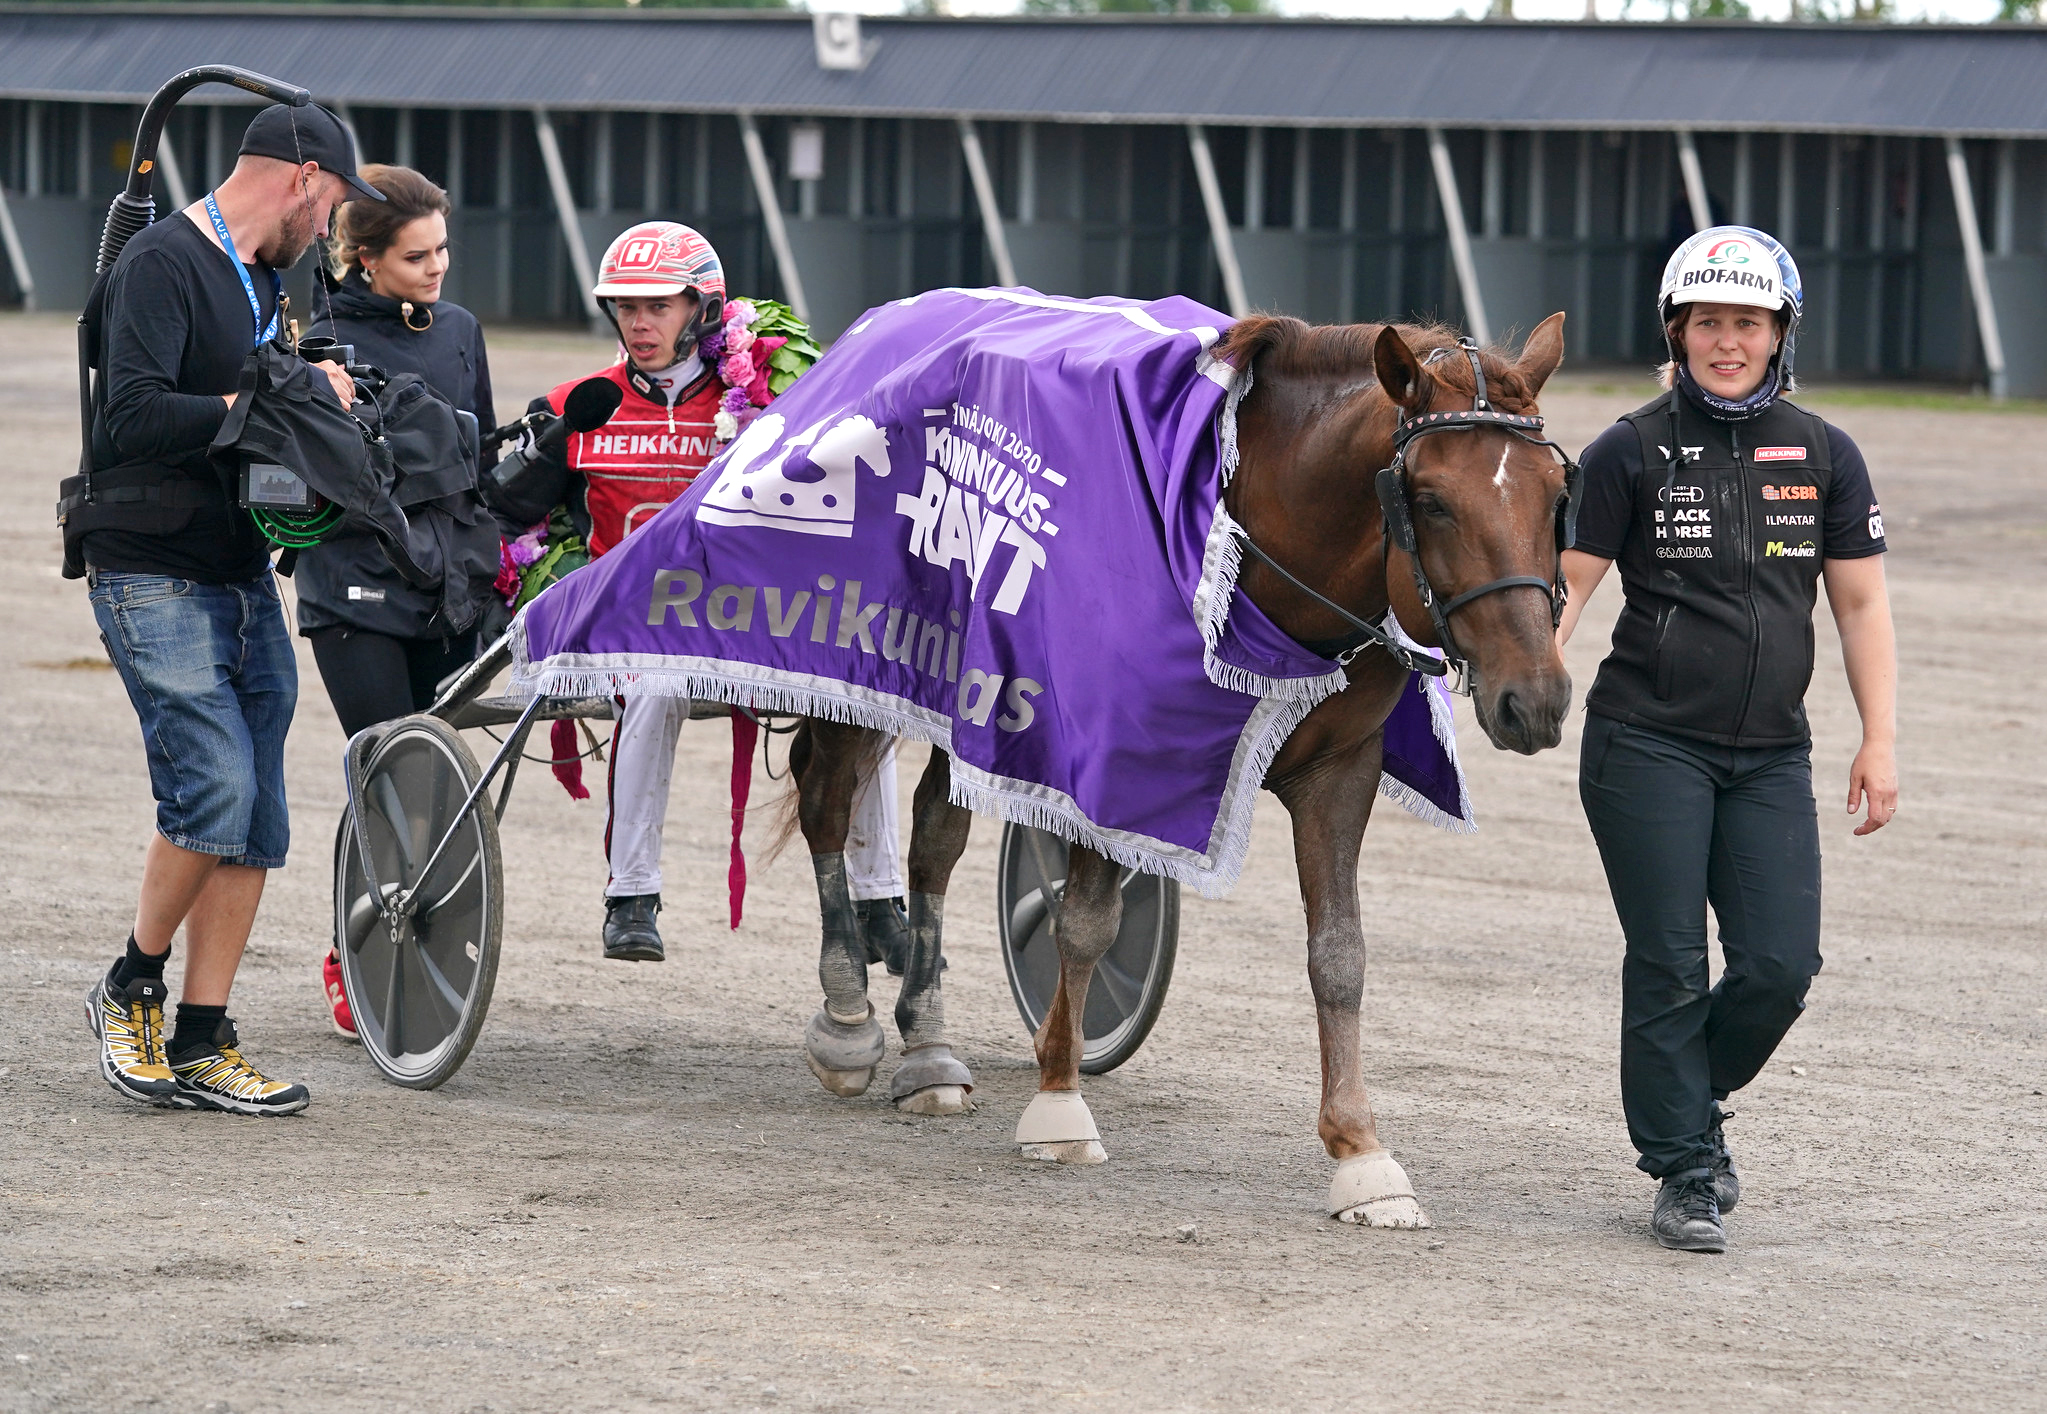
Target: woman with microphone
{"type": "Point", "coordinates": [383, 645]}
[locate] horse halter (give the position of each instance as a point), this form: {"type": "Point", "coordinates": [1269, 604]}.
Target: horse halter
{"type": "Point", "coordinates": [1391, 484]}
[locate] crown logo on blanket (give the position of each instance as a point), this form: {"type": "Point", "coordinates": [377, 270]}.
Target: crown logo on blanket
{"type": "Point", "coordinates": [806, 486]}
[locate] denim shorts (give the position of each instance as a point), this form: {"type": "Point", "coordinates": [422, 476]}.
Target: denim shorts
{"type": "Point", "coordinates": [212, 675]}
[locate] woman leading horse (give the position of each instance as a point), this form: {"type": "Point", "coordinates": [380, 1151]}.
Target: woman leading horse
{"type": "Point", "coordinates": [1725, 506]}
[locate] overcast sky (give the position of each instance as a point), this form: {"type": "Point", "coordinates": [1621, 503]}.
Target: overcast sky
{"type": "Point", "coordinates": [1960, 10]}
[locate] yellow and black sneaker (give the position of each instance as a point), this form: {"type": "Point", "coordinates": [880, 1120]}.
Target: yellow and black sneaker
{"type": "Point", "coordinates": [128, 1023]}
{"type": "Point", "coordinates": [214, 1076]}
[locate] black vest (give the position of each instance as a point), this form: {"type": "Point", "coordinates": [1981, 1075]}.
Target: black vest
{"type": "Point", "coordinates": [1721, 569]}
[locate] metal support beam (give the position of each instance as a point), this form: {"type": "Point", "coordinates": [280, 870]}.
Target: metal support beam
{"type": "Point", "coordinates": [771, 212]}
{"type": "Point", "coordinates": [565, 212]}
{"type": "Point", "coordinates": [984, 196]}
{"type": "Point", "coordinates": [1218, 221]}
{"type": "Point", "coordinates": [173, 175]}
{"type": "Point", "coordinates": [1695, 180]}
{"type": "Point", "coordinates": [1979, 274]}
{"type": "Point", "coordinates": [1460, 237]}
{"type": "Point", "coordinates": [17, 255]}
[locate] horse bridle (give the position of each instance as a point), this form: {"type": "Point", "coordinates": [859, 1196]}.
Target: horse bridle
{"type": "Point", "coordinates": [1391, 485]}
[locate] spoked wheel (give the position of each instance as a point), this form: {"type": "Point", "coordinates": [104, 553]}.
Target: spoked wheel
{"type": "Point", "coordinates": [419, 977]}
{"type": "Point", "coordinates": [1130, 982]}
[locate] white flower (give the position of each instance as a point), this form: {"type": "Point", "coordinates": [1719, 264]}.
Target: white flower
{"type": "Point", "coordinates": [725, 426]}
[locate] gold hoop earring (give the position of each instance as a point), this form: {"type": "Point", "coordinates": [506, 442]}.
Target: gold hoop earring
{"type": "Point", "coordinates": [405, 315]}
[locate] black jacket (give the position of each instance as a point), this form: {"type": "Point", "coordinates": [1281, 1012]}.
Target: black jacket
{"type": "Point", "coordinates": [350, 580]}
{"type": "Point", "coordinates": [1720, 563]}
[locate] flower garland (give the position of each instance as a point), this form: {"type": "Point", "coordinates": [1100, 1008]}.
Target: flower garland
{"type": "Point", "coordinates": [759, 350]}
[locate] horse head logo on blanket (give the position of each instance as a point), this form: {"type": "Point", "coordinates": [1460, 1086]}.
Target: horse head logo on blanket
{"type": "Point", "coordinates": [1052, 589]}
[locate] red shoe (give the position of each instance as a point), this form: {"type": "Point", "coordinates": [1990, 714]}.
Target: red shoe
{"type": "Point", "coordinates": [337, 997]}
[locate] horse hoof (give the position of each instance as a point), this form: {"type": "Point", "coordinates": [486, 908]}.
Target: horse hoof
{"type": "Point", "coordinates": [936, 1100]}
{"type": "Point", "coordinates": [931, 1081]}
{"type": "Point", "coordinates": [1372, 1190]}
{"type": "Point", "coordinates": [1387, 1212]}
{"type": "Point", "coordinates": [846, 1084]}
{"type": "Point", "coordinates": [1068, 1151]}
{"type": "Point", "coordinates": [855, 1047]}
{"type": "Point", "coordinates": [1058, 1127]}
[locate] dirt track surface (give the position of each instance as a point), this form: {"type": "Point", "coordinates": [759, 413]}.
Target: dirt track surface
{"type": "Point", "coordinates": [635, 1197]}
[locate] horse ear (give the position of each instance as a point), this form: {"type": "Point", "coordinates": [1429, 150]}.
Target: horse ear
{"type": "Point", "coordinates": [1542, 353]}
{"type": "Point", "coordinates": [1400, 373]}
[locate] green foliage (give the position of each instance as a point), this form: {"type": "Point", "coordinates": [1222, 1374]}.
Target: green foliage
{"type": "Point", "coordinates": [2020, 11]}
{"type": "Point", "coordinates": [565, 554]}
{"type": "Point", "coordinates": [793, 359]}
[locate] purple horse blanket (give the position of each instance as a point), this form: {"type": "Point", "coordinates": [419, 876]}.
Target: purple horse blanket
{"type": "Point", "coordinates": [992, 520]}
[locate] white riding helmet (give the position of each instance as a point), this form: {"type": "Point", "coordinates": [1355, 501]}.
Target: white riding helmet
{"type": "Point", "coordinates": [1733, 265]}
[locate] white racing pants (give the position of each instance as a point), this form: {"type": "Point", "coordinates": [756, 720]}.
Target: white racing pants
{"type": "Point", "coordinates": [643, 759]}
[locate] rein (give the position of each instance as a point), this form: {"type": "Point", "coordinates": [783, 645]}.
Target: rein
{"type": "Point", "coordinates": [1390, 482]}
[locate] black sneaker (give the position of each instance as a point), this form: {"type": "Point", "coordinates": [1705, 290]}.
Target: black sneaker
{"type": "Point", "coordinates": [128, 1024]}
{"type": "Point", "coordinates": [885, 929]}
{"type": "Point", "coordinates": [1686, 1216]}
{"type": "Point", "coordinates": [214, 1076]}
{"type": "Point", "coordinates": [629, 931]}
{"type": "Point", "coordinates": [1726, 1182]}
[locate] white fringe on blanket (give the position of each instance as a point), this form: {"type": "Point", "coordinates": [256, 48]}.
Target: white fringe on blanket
{"type": "Point", "coordinates": [1212, 875]}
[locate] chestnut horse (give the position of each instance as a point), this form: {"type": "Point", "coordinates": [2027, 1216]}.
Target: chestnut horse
{"type": "Point", "coordinates": [1483, 508]}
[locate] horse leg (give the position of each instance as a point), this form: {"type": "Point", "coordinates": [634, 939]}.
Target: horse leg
{"type": "Point", "coordinates": [931, 1079]}
{"type": "Point", "coordinates": [843, 1042]}
{"type": "Point", "coordinates": [1057, 1125]}
{"type": "Point", "coordinates": [1330, 800]}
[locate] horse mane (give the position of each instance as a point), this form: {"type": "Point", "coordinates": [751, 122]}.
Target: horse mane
{"type": "Point", "coordinates": [1277, 345]}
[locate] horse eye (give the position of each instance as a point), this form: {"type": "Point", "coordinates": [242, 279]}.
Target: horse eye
{"type": "Point", "coordinates": [1429, 506]}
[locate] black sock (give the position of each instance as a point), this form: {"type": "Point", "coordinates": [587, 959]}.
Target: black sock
{"type": "Point", "coordinates": [196, 1027]}
{"type": "Point", "coordinates": [136, 963]}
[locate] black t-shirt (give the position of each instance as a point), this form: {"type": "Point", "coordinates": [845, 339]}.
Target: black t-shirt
{"type": "Point", "coordinates": [175, 330]}
{"type": "Point", "coordinates": [1852, 525]}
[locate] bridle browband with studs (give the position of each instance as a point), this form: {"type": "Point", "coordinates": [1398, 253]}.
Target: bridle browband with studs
{"type": "Point", "coordinates": [1391, 485]}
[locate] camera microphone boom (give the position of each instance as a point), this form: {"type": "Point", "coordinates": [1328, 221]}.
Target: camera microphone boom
{"type": "Point", "coordinates": [523, 478]}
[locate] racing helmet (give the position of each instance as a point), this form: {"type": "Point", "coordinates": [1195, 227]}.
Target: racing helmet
{"type": "Point", "coordinates": [664, 258]}
{"type": "Point", "coordinates": [1733, 265]}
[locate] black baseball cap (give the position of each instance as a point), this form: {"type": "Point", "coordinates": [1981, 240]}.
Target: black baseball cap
{"type": "Point", "coordinates": [308, 134]}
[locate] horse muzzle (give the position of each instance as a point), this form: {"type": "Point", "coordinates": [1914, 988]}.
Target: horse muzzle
{"type": "Point", "coordinates": [1526, 714]}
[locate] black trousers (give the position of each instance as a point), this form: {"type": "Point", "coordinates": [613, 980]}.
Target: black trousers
{"type": "Point", "coordinates": [1682, 824]}
{"type": "Point", "coordinates": [373, 677]}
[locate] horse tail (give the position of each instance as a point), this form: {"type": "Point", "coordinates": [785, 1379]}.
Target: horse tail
{"type": "Point", "coordinates": [788, 810]}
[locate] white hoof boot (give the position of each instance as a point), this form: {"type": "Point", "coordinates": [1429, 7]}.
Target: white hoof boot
{"type": "Point", "coordinates": [1058, 1127]}
{"type": "Point", "coordinates": [846, 1084]}
{"type": "Point", "coordinates": [936, 1100]}
{"type": "Point", "coordinates": [1372, 1190]}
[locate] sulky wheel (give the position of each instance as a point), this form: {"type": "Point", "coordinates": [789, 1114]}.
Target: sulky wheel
{"type": "Point", "coordinates": [1129, 983]}
{"type": "Point", "coordinates": [419, 974]}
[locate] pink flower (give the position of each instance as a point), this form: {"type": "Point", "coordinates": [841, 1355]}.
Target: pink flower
{"type": "Point", "coordinates": [507, 584]}
{"type": "Point", "coordinates": [738, 338]}
{"type": "Point", "coordinates": [739, 312]}
{"type": "Point", "coordinates": [525, 550]}
{"type": "Point", "coordinates": [736, 369]}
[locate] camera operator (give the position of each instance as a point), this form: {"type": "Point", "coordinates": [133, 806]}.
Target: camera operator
{"type": "Point", "coordinates": [383, 644]}
{"type": "Point", "coordinates": [181, 587]}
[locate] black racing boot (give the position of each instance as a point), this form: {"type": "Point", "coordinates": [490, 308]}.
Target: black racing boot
{"type": "Point", "coordinates": [1686, 1216]}
{"type": "Point", "coordinates": [885, 929]}
{"type": "Point", "coordinates": [629, 931]}
{"type": "Point", "coordinates": [1726, 1182]}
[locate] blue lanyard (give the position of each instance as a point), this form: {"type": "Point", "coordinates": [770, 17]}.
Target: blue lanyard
{"type": "Point", "coordinates": [227, 243]}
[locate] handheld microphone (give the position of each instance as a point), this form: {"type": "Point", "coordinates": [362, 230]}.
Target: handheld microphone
{"type": "Point", "coordinates": [522, 479]}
